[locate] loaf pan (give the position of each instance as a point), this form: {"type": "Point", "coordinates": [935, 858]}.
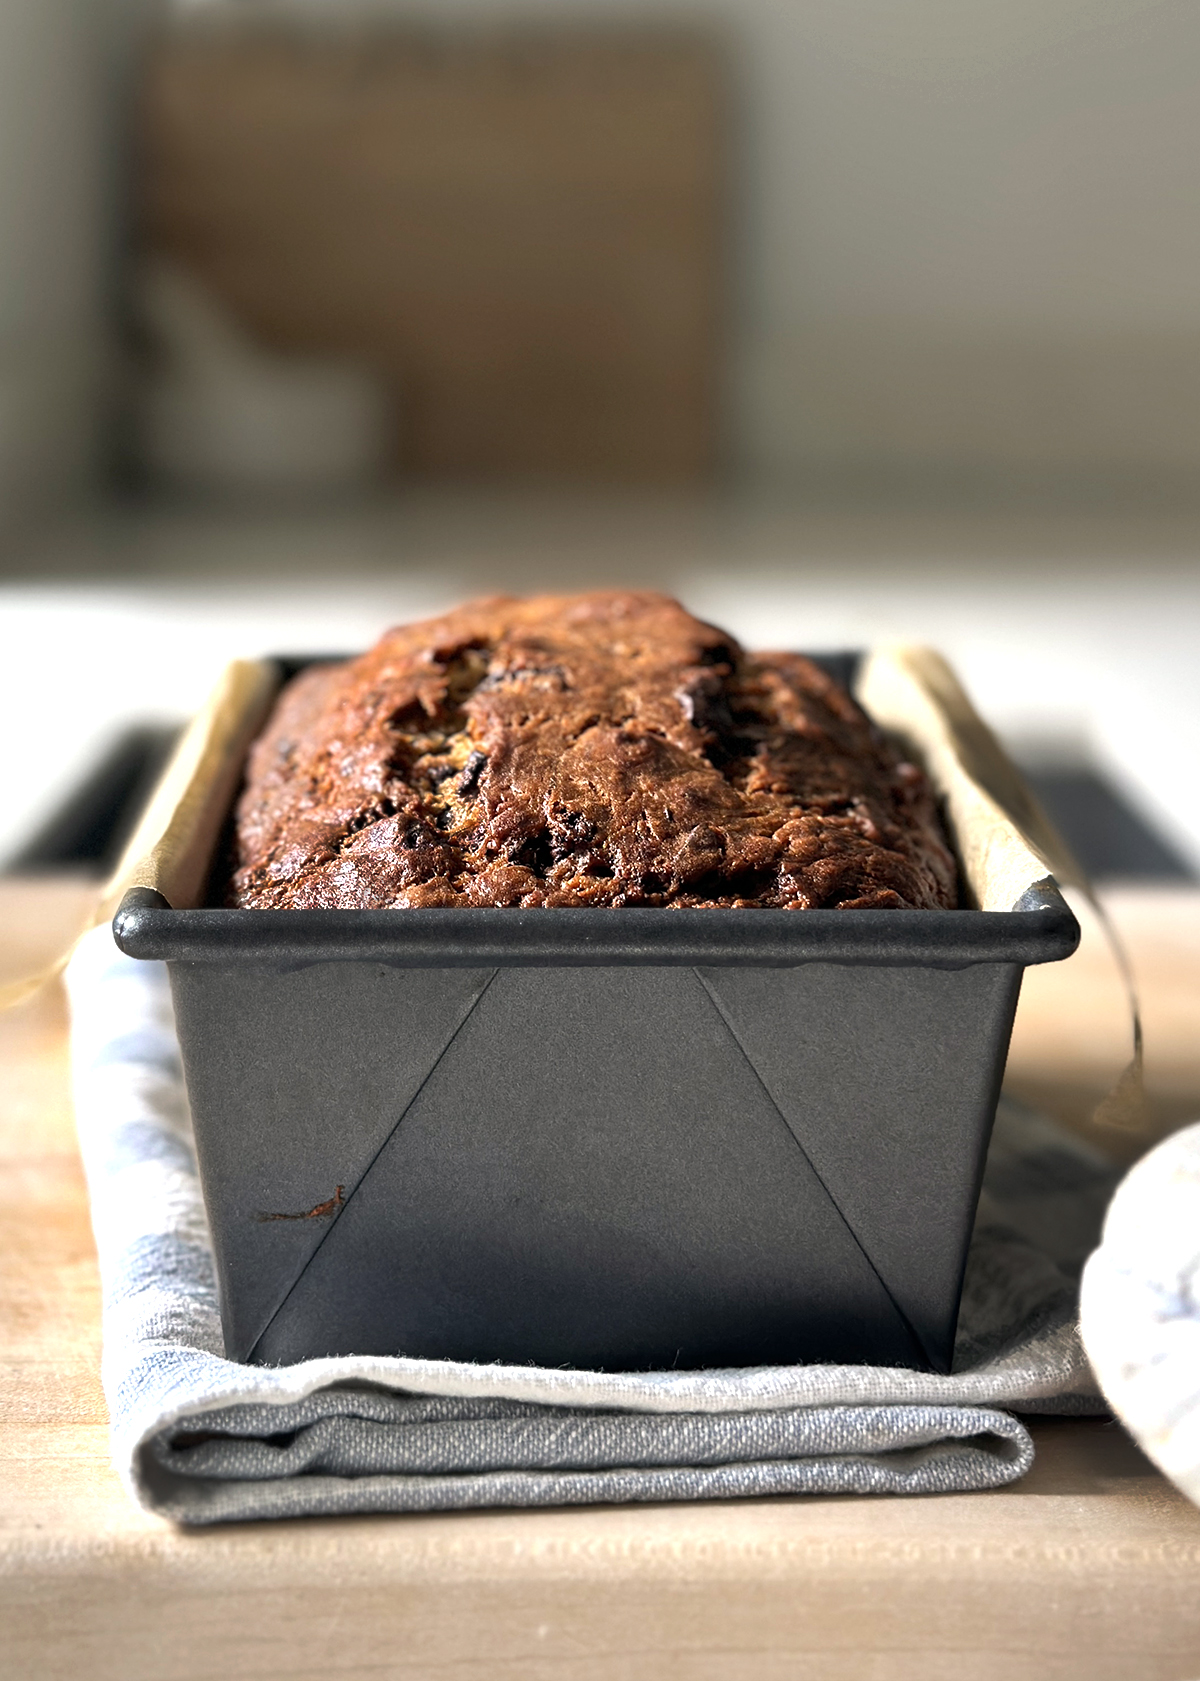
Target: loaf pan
{"type": "Point", "coordinates": [623, 1139]}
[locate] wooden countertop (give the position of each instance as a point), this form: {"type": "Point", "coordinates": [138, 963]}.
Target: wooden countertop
{"type": "Point", "coordinates": [1089, 1568]}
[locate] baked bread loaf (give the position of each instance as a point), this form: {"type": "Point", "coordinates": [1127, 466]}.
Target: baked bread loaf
{"type": "Point", "coordinates": [604, 749]}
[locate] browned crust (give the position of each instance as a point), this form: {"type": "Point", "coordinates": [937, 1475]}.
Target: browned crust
{"type": "Point", "coordinates": [604, 749]}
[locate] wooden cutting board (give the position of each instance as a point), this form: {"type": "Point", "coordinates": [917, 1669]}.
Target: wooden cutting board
{"type": "Point", "coordinates": [521, 229]}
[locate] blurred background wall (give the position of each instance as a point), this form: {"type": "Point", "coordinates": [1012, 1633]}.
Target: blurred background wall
{"type": "Point", "coordinates": [962, 241]}
{"type": "Point", "coordinates": [49, 272]}
{"type": "Point", "coordinates": [972, 243]}
{"type": "Point", "coordinates": [67, 73]}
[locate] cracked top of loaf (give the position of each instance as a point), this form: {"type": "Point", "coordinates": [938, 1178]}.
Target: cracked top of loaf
{"type": "Point", "coordinates": [603, 749]}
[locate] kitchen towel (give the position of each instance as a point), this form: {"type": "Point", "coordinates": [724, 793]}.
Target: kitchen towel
{"type": "Point", "coordinates": [202, 1439]}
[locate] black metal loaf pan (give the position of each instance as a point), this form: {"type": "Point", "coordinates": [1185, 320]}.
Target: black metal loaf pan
{"type": "Point", "coordinates": [626, 1139]}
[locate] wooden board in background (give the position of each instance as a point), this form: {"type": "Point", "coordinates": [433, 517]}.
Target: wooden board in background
{"type": "Point", "coordinates": [523, 229]}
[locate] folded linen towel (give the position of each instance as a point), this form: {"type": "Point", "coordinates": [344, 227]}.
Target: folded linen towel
{"type": "Point", "coordinates": [201, 1439]}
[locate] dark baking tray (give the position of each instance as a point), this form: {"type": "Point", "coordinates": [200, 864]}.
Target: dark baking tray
{"type": "Point", "coordinates": [624, 1139]}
